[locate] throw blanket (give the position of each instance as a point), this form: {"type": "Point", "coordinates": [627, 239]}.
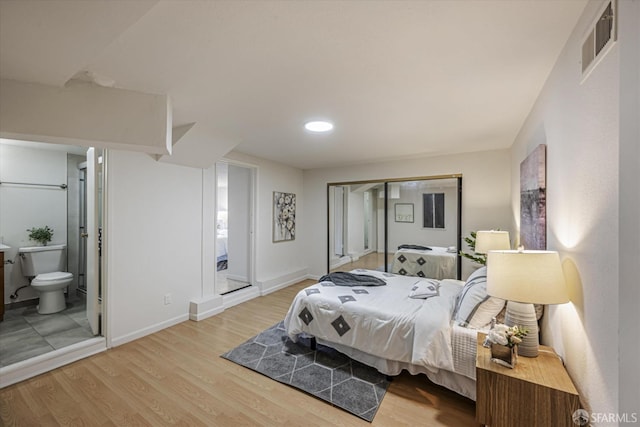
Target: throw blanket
{"type": "Point", "coordinates": [415, 247]}
{"type": "Point", "coordinates": [342, 278]}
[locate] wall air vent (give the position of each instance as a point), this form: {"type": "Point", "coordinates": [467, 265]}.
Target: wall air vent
{"type": "Point", "coordinates": [599, 39]}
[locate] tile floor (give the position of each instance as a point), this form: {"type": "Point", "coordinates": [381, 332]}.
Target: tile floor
{"type": "Point", "coordinates": [24, 333]}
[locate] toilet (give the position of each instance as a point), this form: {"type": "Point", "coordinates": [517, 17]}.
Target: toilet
{"type": "Point", "coordinates": [44, 266]}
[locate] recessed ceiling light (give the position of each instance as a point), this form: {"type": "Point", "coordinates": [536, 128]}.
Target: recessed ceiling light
{"type": "Point", "coordinates": [318, 126]}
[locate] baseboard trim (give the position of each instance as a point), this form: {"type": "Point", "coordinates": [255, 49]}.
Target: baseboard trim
{"type": "Point", "coordinates": [148, 330]}
{"type": "Point", "coordinates": [337, 262]}
{"type": "Point", "coordinates": [34, 366]}
{"type": "Point", "coordinates": [23, 303]}
{"type": "Point", "coordinates": [272, 285]}
{"type": "Point", "coordinates": [313, 277]}
{"type": "Point", "coordinates": [203, 308]}
{"type": "Point", "coordinates": [240, 296]}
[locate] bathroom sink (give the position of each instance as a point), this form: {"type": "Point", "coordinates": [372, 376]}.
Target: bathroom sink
{"type": "Point", "coordinates": [4, 247]}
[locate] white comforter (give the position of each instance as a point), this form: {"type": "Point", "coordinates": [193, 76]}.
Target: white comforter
{"type": "Point", "coordinates": [383, 322]}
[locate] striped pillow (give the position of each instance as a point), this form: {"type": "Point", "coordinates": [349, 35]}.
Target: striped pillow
{"type": "Point", "coordinates": [474, 308]}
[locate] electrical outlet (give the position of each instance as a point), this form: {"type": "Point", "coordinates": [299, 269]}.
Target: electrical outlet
{"type": "Point", "coordinates": [167, 299]}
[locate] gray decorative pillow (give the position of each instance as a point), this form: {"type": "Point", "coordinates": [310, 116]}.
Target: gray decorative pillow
{"type": "Point", "coordinates": [474, 308]}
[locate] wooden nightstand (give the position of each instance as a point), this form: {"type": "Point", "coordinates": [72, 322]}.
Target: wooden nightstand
{"type": "Point", "coordinates": [537, 392]}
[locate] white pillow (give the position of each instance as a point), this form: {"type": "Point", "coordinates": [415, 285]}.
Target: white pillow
{"type": "Point", "coordinates": [424, 289]}
{"type": "Point", "coordinates": [474, 308]}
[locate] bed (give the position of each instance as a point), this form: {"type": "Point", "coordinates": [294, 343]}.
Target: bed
{"type": "Point", "coordinates": [435, 263]}
{"type": "Point", "coordinates": [221, 250]}
{"type": "Point", "coordinates": [383, 327]}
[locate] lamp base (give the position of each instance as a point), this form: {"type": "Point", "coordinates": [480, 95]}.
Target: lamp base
{"type": "Point", "coordinates": [524, 315]}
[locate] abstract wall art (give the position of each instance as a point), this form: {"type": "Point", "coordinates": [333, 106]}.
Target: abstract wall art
{"type": "Point", "coordinates": [533, 200]}
{"type": "Point", "coordinates": [284, 216]}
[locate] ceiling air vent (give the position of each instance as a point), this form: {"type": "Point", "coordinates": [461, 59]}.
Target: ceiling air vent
{"type": "Point", "coordinates": [599, 39]}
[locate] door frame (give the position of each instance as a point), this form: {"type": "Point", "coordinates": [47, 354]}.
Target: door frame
{"type": "Point", "coordinates": [253, 179]}
{"type": "Point", "coordinates": [92, 226]}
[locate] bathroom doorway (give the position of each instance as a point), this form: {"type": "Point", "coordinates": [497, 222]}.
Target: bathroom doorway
{"type": "Point", "coordinates": [234, 226]}
{"type": "Point", "coordinates": [42, 186]}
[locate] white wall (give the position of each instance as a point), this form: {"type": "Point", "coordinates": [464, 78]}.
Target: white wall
{"type": "Point", "coordinates": [23, 207]}
{"type": "Point", "coordinates": [154, 240]}
{"type": "Point", "coordinates": [355, 226]}
{"type": "Point", "coordinates": [414, 233]}
{"type": "Point", "coordinates": [579, 123]}
{"type": "Point", "coordinates": [486, 193]}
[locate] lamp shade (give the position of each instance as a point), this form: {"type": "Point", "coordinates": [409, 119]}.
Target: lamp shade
{"type": "Point", "coordinates": [491, 241]}
{"type": "Point", "coordinates": [526, 276]}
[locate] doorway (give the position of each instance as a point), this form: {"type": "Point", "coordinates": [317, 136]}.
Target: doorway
{"type": "Point", "coordinates": [42, 186]}
{"type": "Point", "coordinates": [234, 226]}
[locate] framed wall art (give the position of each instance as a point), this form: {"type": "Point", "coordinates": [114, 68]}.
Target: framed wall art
{"type": "Point", "coordinates": [404, 212]}
{"type": "Point", "coordinates": [284, 216]}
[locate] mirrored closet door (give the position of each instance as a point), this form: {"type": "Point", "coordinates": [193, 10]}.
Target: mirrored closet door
{"type": "Point", "coordinates": [405, 226]}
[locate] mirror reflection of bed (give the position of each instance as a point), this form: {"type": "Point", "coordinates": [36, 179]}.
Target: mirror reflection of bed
{"type": "Point", "coordinates": [435, 262]}
{"type": "Point", "coordinates": [222, 258]}
{"type": "Point", "coordinates": [224, 283]}
{"type": "Point", "coordinates": [407, 226]}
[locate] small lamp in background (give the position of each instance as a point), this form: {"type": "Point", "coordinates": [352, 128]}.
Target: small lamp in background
{"type": "Point", "coordinates": [524, 278]}
{"type": "Point", "coordinates": [491, 240]}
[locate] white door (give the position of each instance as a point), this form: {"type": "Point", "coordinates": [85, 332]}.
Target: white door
{"type": "Point", "coordinates": [93, 304]}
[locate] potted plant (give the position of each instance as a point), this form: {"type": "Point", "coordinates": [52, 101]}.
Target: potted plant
{"type": "Point", "coordinates": [475, 257]}
{"type": "Point", "coordinates": [42, 235]}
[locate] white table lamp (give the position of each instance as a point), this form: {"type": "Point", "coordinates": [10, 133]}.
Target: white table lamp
{"type": "Point", "coordinates": [491, 240]}
{"type": "Point", "coordinates": [524, 278]}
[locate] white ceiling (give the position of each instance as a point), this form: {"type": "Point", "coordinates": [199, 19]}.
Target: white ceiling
{"type": "Point", "coordinates": [398, 78]}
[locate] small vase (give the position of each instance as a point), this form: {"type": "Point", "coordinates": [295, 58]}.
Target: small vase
{"type": "Point", "coordinates": [504, 355]}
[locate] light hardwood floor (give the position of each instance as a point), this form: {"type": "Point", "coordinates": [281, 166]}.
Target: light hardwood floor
{"type": "Point", "coordinates": [177, 377]}
{"type": "Point", "coordinates": [371, 261]}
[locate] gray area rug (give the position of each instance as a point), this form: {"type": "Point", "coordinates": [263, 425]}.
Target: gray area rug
{"type": "Point", "coordinates": [324, 373]}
